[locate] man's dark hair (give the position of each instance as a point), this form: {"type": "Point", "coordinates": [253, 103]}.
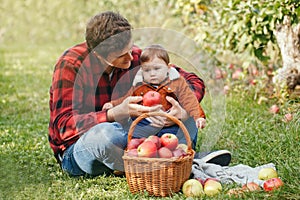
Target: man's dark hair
{"type": "Point", "coordinates": [107, 32]}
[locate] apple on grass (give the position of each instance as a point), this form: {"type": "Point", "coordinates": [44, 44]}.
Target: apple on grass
{"type": "Point", "coordinates": [155, 139]}
{"type": "Point", "coordinates": [273, 183]}
{"type": "Point", "coordinates": [251, 186]}
{"type": "Point", "coordinates": [151, 98]}
{"type": "Point", "coordinates": [147, 149]}
{"type": "Point", "coordinates": [169, 140]}
{"type": "Point", "coordinates": [164, 152]}
{"type": "Point", "coordinates": [267, 173]}
{"type": "Point", "coordinates": [212, 187]}
{"type": "Point", "coordinates": [192, 188]}
{"type": "Point", "coordinates": [274, 109]}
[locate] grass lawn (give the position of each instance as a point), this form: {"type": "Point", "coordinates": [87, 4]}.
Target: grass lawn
{"type": "Point", "coordinates": [28, 168]}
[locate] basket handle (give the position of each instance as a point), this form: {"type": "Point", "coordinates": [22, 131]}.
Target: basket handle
{"type": "Point", "coordinates": [162, 114]}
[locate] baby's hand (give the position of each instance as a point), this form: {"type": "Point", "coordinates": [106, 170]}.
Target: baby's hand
{"type": "Point", "coordinates": [201, 123]}
{"type": "Point", "coordinates": [107, 106]}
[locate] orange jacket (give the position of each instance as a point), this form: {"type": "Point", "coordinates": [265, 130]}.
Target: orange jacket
{"type": "Point", "coordinates": [175, 86]}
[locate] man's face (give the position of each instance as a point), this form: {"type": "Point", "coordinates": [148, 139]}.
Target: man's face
{"type": "Point", "coordinates": [121, 59]}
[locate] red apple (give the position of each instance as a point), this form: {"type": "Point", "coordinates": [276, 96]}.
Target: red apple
{"type": "Point", "coordinates": [272, 184]}
{"type": "Point", "coordinates": [151, 98]}
{"type": "Point", "coordinates": [147, 149]}
{"type": "Point", "coordinates": [237, 74]}
{"type": "Point", "coordinates": [212, 187]}
{"type": "Point", "coordinates": [226, 89]}
{"type": "Point", "coordinates": [155, 139]}
{"type": "Point", "coordinates": [132, 152]}
{"type": "Point", "coordinates": [288, 117]}
{"type": "Point", "coordinates": [179, 152]}
{"type": "Point", "coordinates": [169, 140]}
{"type": "Point", "coordinates": [218, 73]}
{"type": "Point", "coordinates": [201, 181]}
{"type": "Point", "coordinates": [274, 109]}
{"type": "Point", "coordinates": [164, 152]}
{"type": "Point", "coordinates": [134, 143]}
{"type": "Point", "coordinates": [251, 186]}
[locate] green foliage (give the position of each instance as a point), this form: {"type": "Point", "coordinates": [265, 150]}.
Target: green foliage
{"type": "Point", "coordinates": [238, 26]}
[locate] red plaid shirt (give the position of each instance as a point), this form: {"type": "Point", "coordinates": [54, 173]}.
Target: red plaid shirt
{"type": "Point", "coordinates": [80, 88]}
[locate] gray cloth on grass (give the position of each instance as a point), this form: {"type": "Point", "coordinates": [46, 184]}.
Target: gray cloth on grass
{"type": "Point", "coordinates": [240, 174]}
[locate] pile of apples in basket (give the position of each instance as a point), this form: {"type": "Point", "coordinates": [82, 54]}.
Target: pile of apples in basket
{"type": "Point", "coordinates": [153, 146]}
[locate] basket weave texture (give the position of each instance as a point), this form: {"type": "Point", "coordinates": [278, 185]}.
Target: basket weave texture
{"type": "Point", "coordinates": [158, 176]}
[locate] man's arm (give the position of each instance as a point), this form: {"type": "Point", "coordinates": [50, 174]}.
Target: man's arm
{"type": "Point", "coordinates": [196, 84]}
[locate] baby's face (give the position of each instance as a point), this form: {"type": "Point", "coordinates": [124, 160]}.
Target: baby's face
{"type": "Point", "coordinates": [155, 71]}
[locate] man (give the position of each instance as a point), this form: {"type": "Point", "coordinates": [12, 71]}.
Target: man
{"type": "Point", "coordinates": [86, 140]}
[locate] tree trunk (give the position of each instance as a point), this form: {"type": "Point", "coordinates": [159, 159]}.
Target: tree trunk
{"type": "Point", "coordinates": [288, 39]}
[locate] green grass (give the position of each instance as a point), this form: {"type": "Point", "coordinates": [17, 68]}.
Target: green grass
{"type": "Point", "coordinates": [28, 168]}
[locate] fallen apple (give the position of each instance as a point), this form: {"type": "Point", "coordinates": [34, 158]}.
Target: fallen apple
{"type": "Point", "coordinates": [288, 117]}
{"type": "Point", "coordinates": [212, 187]}
{"type": "Point", "coordinates": [251, 186]}
{"type": "Point", "coordinates": [169, 140]}
{"type": "Point", "coordinates": [273, 183]}
{"type": "Point", "coordinates": [274, 109]}
{"type": "Point", "coordinates": [147, 149]}
{"type": "Point", "coordinates": [164, 152]}
{"type": "Point", "coordinates": [155, 139]}
{"type": "Point", "coordinates": [192, 188]}
{"type": "Point", "coordinates": [151, 98]}
{"type": "Point", "coordinates": [201, 181]}
{"type": "Point", "coordinates": [267, 173]}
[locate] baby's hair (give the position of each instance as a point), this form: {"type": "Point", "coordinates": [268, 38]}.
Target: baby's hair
{"type": "Point", "coordinates": [155, 50]}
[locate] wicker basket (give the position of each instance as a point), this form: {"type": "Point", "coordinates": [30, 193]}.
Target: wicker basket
{"type": "Point", "coordinates": [158, 176]}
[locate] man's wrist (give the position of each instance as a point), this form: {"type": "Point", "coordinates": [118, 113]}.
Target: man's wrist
{"type": "Point", "coordinates": [110, 115]}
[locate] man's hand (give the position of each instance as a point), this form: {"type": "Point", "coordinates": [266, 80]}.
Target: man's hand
{"type": "Point", "coordinates": [176, 110]}
{"type": "Point", "coordinates": [130, 108]}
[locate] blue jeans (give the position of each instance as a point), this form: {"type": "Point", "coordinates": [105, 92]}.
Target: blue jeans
{"type": "Point", "coordinates": [100, 150]}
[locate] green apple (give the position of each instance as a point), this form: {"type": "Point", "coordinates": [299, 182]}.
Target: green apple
{"type": "Point", "coordinates": [267, 173]}
{"type": "Point", "coordinates": [192, 188]}
{"type": "Point", "coordinates": [212, 187]}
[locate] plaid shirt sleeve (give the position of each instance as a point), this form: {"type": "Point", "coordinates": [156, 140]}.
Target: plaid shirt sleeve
{"type": "Point", "coordinates": [66, 120]}
{"type": "Point", "coordinates": [196, 84]}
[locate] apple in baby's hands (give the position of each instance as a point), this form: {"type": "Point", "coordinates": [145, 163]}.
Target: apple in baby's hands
{"type": "Point", "coordinates": [155, 139]}
{"type": "Point", "coordinates": [169, 140]}
{"type": "Point", "coordinates": [151, 98]}
{"type": "Point", "coordinates": [134, 143]}
{"type": "Point", "coordinates": [212, 187]}
{"type": "Point", "coordinates": [164, 152]}
{"type": "Point", "coordinates": [273, 183]}
{"type": "Point", "coordinates": [147, 149]}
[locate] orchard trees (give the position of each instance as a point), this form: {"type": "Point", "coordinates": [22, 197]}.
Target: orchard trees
{"type": "Point", "coordinates": [266, 33]}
